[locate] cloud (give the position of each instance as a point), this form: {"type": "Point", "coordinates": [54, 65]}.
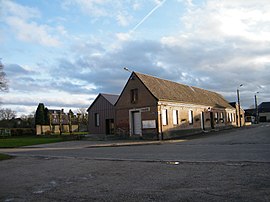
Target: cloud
{"type": "Point", "coordinates": [96, 8]}
{"type": "Point", "coordinates": [22, 12]}
{"type": "Point", "coordinates": [123, 19]}
{"type": "Point", "coordinates": [246, 19]}
{"type": "Point", "coordinates": [211, 51]}
{"type": "Point", "coordinates": [14, 70]}
{"type": "Point", "coordinates": [32, 32]}
{"type": "Point", "coordinates": [20, 19]}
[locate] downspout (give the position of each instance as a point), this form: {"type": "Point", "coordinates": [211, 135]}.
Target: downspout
{"type": "Point", "coordinates": [161, 132]}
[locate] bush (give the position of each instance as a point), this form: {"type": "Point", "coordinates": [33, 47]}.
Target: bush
{"type": "Point", "coordinates": [22, 131]}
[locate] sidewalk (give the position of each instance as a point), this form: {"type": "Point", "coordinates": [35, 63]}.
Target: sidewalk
{"type": "Point", "coordinates": [70, 145]}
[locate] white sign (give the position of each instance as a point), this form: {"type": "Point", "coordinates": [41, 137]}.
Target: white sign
{"type": "Point", "coordinates": [146, 109]}
{"type": "Point", "coordinates": [149, 124]}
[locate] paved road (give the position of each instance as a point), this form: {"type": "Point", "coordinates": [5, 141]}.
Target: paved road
{"type": "Point", "coordinates": [224, 166]}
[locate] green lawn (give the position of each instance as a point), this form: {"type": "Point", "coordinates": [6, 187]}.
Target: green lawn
{"type": "Point", "coordinates": [12, 142]}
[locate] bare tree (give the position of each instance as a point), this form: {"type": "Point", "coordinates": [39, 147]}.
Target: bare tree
{"type": "Point", "coordinates": [3, 81]}
{"type": "Point", "coordinates": [82, 118]}
{"type": "Point", "coordinates": [81, 111]}
{"type": "Point", "coordinates": [83, 114]}
{"type": "Point", "coordinates": [7, 114]}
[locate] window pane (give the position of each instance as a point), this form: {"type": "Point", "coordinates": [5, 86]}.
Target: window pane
{"type": "Point", "coordinates": [175, 117]}
{"type": "Point", "coordinates": [134, 96]}
{"type": "Point", "coordinates": [190, 116]}
{"type": "Point", "coordinates": [96, 119]}
{"type": "Point", "coordinates": [164, 117]}
{"type": "Point", "coordinates": [216, 117]}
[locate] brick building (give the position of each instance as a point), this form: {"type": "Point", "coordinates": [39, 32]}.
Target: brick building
{"type": "Point", "coordinates": [159, 109]}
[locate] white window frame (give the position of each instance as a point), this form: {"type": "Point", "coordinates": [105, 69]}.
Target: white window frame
{"type": "Point", "coordinates": [164, 117]}
{"type": "Point", "coordinates": [175, 117]}
{"type": "Point", "coordinates": [221, 117]}
{"type": "Point", "coordinates": [216, 117]}
{"type": "Point", "coordinates": [97, 119]}
{"type": "Point", "coordinates": [190, 117]}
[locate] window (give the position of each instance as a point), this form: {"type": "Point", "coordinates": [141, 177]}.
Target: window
{"type": "Point", "coordinates": [96, 119]}
{"type": "Point", "coordinates": [229, 118]}
{"type": "Point", "coordinates": [221, 117]}
{"type": "Point", "coordinates": [134, 96]}
{"type": "Point", "coordinates": [190, 117]}
{"type": "Point", "coordinates": [216, 117]}
{"type": "Point", "coordinates": [232, 120]}
{"type": "Point", "coordinates": [164, 117]}
{"type": "Point", "coordinates": [175, 117]}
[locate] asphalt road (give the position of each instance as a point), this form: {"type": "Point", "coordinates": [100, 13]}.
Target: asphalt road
{"type": "Point", "coordinates": [223, 166]}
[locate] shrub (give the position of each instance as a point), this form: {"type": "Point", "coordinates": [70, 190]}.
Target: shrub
{"type": "Point", "coordinates": [22, 131]}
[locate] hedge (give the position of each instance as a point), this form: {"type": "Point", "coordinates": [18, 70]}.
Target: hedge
{"type": "Point", "coordinates": [4, 132]}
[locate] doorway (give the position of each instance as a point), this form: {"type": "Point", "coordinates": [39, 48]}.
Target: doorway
{"type": "Point", "coordinates": [136, 123]}
{"type": "Point", "coordinates": [109, 126]}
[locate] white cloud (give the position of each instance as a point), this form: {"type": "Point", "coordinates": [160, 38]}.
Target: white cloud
{"type": "Point", "coordinates": [222, 44]}
{"type": "Point", "coordinates": [95, 8]}
{"type": "Point", "coordinates": [217, 19]}
{"type": "Point", "coordinates": [136, 6]}
{"type": "Point", "coordinates": [124, 19]}
{"type": "Point", "coordinates": [123, 36]}
{"type": "Point", "coordinates": [22, 12]}
{"type": "Point", "coordinates": [20, 20]}
{"type": "Point", "coordinates": [32, 32]}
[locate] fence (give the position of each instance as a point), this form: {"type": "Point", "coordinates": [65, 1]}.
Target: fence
{"type": "Point", "coordinates": [5, 132]}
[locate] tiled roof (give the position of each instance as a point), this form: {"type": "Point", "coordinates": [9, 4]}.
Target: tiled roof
{"type": "Point", "coordinates": [171, 91]}
{"type": "Point", "coordinates": [110, 97]}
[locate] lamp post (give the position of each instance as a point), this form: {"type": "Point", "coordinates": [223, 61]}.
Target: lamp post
{"type": "Point", "coordinates": [256, 108]}
{"type": "Point", "coordinates": [239, 108]}
{"type": "Point", "coordinates": [125, 68]}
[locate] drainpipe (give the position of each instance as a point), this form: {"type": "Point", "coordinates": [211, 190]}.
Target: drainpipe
{"type": "Point", "coordinates": [161, 132]}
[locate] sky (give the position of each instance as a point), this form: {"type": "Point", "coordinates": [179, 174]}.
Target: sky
{"type": "Point", "coordinates": [63, 53]}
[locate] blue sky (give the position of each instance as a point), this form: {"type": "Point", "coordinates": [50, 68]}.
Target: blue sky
{"type": "Point", "coordinates": [64, 52]}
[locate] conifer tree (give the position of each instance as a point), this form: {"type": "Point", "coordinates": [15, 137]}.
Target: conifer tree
{"type": "Point", "coordinates": [40, 115]}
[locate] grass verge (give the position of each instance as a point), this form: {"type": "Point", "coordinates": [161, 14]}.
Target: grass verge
{"type": "Point", "coordinates": [28, 141]}
{"type": "Point", "coordinates": [4, 157]}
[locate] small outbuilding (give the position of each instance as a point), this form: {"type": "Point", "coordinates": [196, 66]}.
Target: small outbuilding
{"type": "Point", "coordinates": [101, 114]}
{"type": "Point", "coordinates": [264, 112]}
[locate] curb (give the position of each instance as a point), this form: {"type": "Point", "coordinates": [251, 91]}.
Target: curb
{"type": "Point", "coordinates": [125, 144]}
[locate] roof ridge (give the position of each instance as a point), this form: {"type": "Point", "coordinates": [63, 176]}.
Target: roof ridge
{"type": "Point", "coordinates": [108, 94]}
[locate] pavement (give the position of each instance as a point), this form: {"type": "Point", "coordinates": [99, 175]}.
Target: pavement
{"type": "Point", "coordinates": [115, 143]}
{"type": "Point", "coordinates": [231, 165]}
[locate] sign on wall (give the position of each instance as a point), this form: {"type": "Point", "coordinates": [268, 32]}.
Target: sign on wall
{"type": "Point", "coordinates": [149, 124]}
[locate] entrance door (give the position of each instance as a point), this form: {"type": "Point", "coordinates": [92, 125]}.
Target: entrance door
{"type": "Point", "coordinates": [109, 126]}
{"type": "Point", "coordinates": [202, 121]}
{"type": "Point", "coordinates": [137, 126]}
{"type": "Point", "coordinates": [212, 120]}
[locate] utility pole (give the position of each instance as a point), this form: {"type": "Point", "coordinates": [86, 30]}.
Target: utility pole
{"type": "Point", "coordinates": [239, 107]}
{"type": "Point", "coordinates": [256, 108]}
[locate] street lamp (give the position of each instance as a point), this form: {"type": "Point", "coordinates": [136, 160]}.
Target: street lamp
{"type": "Point", "coordinates": [125, 68]}
{"type": "Point", "coordinates": [239, 112]}
{"type": "Point", "coordinates": [256, 108]}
